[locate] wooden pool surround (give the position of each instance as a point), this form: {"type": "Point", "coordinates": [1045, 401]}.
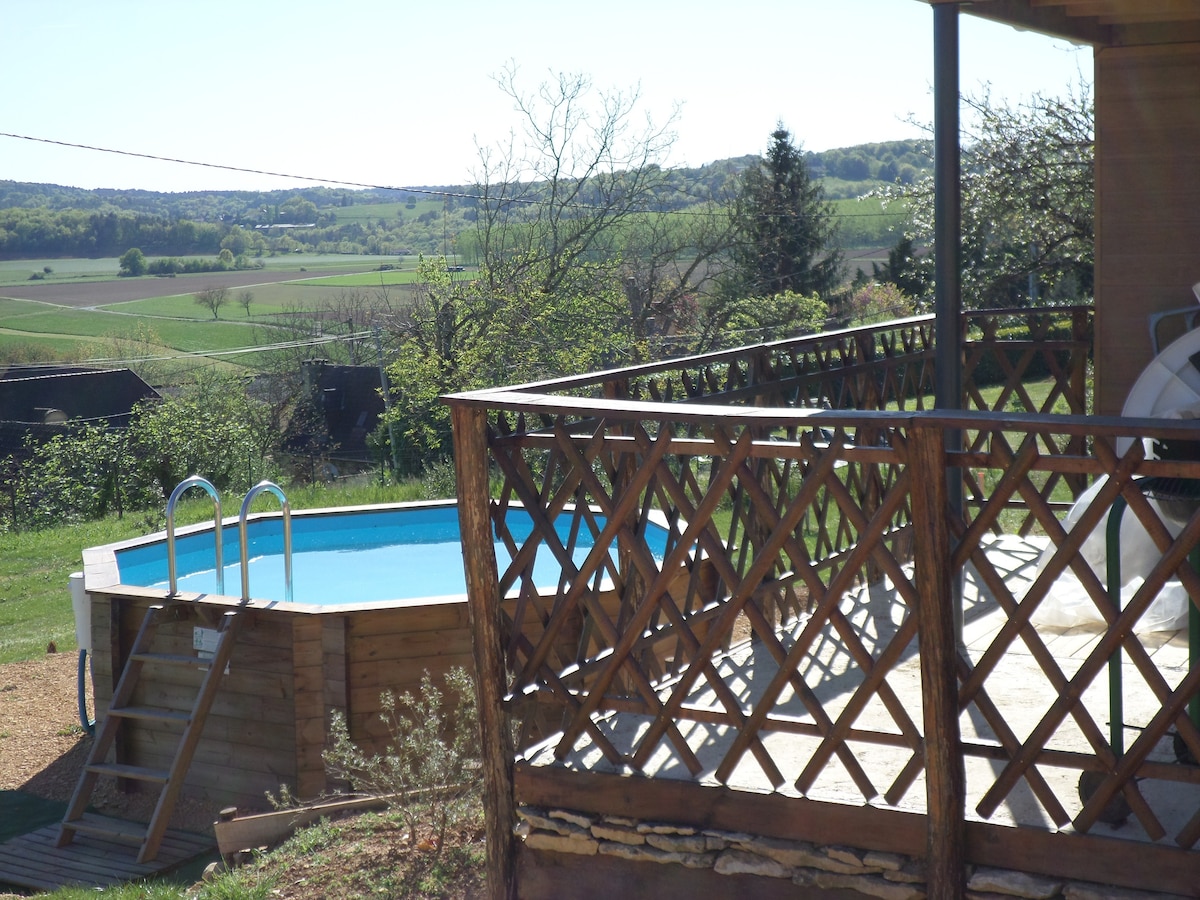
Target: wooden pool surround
{"type": "Point", "coordinates": [293, 665]}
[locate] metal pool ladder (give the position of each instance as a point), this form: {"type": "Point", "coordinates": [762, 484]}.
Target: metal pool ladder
{"type": "Point", "coordinates": [287, 537]}
{"type": "Point", "coordinates": [218, 534]}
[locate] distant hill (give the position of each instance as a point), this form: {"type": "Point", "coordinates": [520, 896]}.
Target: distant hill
{"type": "Point", "coordinates": [45, 220]}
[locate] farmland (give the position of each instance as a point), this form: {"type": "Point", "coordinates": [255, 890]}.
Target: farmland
{"type": "Point", "coordinates": [81, 310]}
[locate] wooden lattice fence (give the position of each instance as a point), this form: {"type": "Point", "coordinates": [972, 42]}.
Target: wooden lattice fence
{"type": "Point", "coordinates": [730, 509]}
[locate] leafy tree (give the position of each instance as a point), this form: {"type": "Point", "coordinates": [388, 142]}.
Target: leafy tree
{"type": "Point", "coordinates": [132, 263]}
{"type": "Point", "coordinates": [213, 428]}
{"type": "Point", "coordinates": [877, 302]}
{"type": "Point", "coordinates": [298, 210]}
{"type": "Point", "coordinates": [580, 263]}
{"type": "Point", "coordinates": [460, 335]}
{"type": "Point", "coordinates": [752, 320]}
{"type": "Point", "coordinates": [83, 473]}
{"type": "Point", "coordinates": [213, 299]}
{"type": "Point", "coordinates": [910, 272]}
{"type": "Point", "coordinates": [1028, 201]}
{"type": "Point", "coordinates": [785, 227]}
{"type": "Point", "coordinates": [237, 241]}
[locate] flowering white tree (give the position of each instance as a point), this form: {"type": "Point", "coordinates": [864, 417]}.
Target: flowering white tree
{"type": "Point", "coordinates": [1028, 201]}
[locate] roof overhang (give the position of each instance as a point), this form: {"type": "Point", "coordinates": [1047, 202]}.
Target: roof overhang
{"type": "Point", "coordinates": [1102, 23]}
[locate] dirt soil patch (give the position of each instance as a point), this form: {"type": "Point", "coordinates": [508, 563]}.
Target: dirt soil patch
{"type": "Point", "coordinates": [102, 293]}
{"type": "Point", "coordinates": [43, 746]}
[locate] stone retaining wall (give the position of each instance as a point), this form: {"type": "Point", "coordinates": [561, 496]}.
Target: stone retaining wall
{"type": "Point", "coordinates": [887, 876]}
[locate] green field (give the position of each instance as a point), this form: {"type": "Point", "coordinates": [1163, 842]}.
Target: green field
{"type": "Point", "coordinates": [367, 279]}
{"type": "Point", "coordinates": [867, 222]}
{"type": "Point", "coordinates": [271, 301]}
{"type": "Point", "coordinates": [18, 271]}
{"type": "Point", "coordinates": [173, 324]}
{"type": "Point", "coordinates": [41, 319]}
{"type": "Point", "coordinates": [22, 347]}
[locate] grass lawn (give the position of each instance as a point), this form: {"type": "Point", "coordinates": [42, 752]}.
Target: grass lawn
{"type": "Point", "coordinates": [39, 348]}
{"type": "Point", "coordinates": [272, 300]}
{"type": "Point", "coordinates": [18, 271]}
{"type": "Point", "coordinates": [35, 605]}
{"type": "Point", "coordinates": [361, 212]}
{"type": "Point", "coordinates": [367, 279]}
{"type": "Point", "coordinates": [209, 335]}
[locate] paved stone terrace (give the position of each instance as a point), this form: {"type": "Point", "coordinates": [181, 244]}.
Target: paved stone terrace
{"type": "Point", "coordinates": [1018, 688]}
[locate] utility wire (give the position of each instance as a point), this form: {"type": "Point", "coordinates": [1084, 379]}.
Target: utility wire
{"type": "Point", "coordinates": [460, 195]}
{"type": "Point", "coordinates": [209, 354]}
{"type": "Point", "coordinates": [243, 169]}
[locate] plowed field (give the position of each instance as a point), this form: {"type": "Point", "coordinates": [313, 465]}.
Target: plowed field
{"type": "Point", "coordinates": [102, 293]}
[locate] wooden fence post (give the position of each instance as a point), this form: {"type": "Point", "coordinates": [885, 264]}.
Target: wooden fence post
{"type": "Point", "coordinates": [483, 616]}
{"type": "Point", "coordinates": [945, 779]}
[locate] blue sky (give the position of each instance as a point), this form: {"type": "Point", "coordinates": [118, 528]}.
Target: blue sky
{"type": "Point", "coordinates": [387, 92]}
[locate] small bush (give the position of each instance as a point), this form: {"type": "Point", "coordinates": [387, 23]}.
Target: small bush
{"type": "Point", "coordinates": [430, 771]}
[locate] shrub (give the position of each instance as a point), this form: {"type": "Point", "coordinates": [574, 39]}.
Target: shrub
{"type": "Point", "coordinates": [430, 769]}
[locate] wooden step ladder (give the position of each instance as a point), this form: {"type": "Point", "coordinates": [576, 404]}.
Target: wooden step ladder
{"type": "Point", "coordinates": [170, 780]}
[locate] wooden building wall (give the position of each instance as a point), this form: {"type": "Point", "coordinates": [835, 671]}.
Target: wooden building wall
{"type": "Point", "coordinates": [1147, 203]}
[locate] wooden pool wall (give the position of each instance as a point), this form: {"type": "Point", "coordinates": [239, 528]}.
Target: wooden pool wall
{"type": "Point", "coordinates": [289, 672]}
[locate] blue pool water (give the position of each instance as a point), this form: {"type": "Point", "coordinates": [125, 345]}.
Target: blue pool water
{"type": "Point", "coordinates": [365, 556]}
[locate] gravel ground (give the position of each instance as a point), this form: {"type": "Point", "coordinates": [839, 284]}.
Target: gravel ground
{"type": "Point", "coordinates": [43, 747]}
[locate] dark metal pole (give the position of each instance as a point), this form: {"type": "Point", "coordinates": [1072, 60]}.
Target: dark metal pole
{"type": "Point", "coordinates": [947, 215]}
{"type": "Point", "coordinates": [946, 779]}
{"type": "Point", "coordinates": [947, 224]}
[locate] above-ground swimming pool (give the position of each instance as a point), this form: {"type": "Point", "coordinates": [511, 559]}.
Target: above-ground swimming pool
{"type": "Point", "coordinates": [342, 557]}
{"type": "Point", "coordinates": [378, 602]}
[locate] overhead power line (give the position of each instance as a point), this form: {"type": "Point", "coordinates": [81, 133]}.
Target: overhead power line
{"type": "Point", "coordinates": [210, 354]}
{"type": "Point", "coordinates": [242, 169]}
{"type": "Point", "coordinates": [460, 195]}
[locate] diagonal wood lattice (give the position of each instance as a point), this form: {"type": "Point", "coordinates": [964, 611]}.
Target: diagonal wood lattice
{"type": "Point", "coordinates": [715, 571]}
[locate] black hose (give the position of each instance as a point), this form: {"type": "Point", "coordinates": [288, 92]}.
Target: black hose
{"type": "Point", "coordinates": [89, 725]}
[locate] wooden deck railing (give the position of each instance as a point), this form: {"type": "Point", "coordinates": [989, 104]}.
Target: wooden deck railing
{"type": "Point", "coordinates": [779, 510]}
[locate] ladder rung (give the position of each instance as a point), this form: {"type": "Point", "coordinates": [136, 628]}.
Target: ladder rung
{"type": "Point", "coordinates": [104, 827]}
{"type": "Point", "coordinates": [170, 780]}
{"type": "Point", "coordinates": [151, 714]}
{"type": "Point", "coordinates": [122, 770]}
{"type": "Point", "coordinates": [172, 659]}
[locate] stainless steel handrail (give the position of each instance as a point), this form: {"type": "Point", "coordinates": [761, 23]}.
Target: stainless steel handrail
{"type": "Point", "coordinates": [287, 537]}
{"type": "Point", "coordinates": [218, 537]}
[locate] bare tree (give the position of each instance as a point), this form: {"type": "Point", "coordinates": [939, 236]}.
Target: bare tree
{"type": "Point", "coordinates": [245, 298]}
{"type": "Point", "coordinates": [213, 299]}
{"type": "Point", "coordinates": [556, 200]}
{"type": "Point", "coordinates": [580, 197]}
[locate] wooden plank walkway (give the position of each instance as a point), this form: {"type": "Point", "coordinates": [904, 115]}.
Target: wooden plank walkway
{"type": "Point", "coordinates": [32, 860]}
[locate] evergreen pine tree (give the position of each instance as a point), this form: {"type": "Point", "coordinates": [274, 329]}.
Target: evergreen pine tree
{"type": "Point", "coordinates": [785, 227]}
